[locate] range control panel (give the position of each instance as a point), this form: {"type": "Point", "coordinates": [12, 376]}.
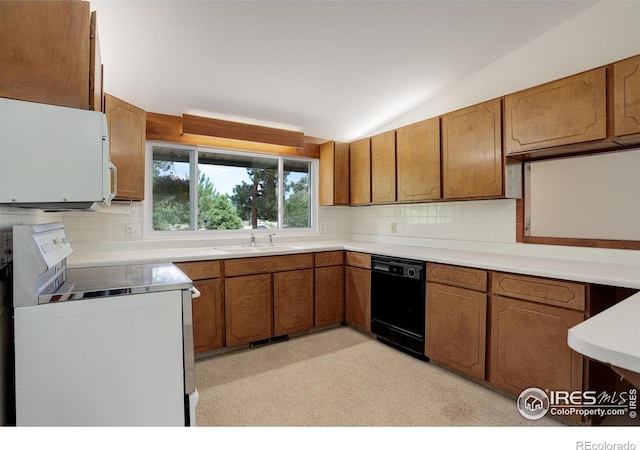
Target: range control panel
{"type": "Point", "coordinates": [53, 245]}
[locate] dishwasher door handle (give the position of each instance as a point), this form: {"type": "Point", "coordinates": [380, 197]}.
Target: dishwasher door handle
{"type": "Point", "coordinates": [195, 293]}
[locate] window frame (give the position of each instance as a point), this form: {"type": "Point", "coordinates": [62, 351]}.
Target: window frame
{"type": "Point", "coordinates": [147, 218]}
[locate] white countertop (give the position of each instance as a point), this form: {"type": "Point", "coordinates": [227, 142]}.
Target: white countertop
{"type": "Point", "coordinates": [612, 337]}
{"type": "Point", "coordinates": [601, 266]}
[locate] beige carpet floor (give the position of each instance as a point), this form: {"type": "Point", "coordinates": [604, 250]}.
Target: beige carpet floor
{"type": "Point", "coordinates": [341, 377]}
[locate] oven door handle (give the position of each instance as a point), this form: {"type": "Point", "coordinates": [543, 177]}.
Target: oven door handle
{"type": "Point", "coordinates": [195, 293]}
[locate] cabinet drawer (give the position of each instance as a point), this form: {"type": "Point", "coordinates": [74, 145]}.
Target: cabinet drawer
{"type": "Point", "coordinates": [326, 259]}
{"type": "Point", "coordinates": [356, 259]}
{"type": "Point", "coordinates": [541, 290]}
{"type": "Point", "coordinates": [200, 270]}
{"type": "Point", "coordinates": [267, 264]}
{"type": "Point", "coordinates": [465, 277]}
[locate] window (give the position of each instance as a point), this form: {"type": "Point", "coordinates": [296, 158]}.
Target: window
{"type": "Point", "coordinates": [198, 189]}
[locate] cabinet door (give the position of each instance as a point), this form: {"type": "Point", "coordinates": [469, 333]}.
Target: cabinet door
{"type": "Point", "coordinates": [95, 68]}
{"type": "Point", "coordinates": [383, 167]}
{"type": "Point", "coordinates": [456, 326]}
{"type": "Point", "coordinates": [248, 309]}
{"type": "Point", "coordinates": [360, 172]}
{"type": "Point", "coordinates": [472, 152]}
{"type": "Point", "coordinates": [292, 301]}
{"type": "Point", "coordinates": [329, 291]}
{"type": "Point", "coordinates": [418, 161]}
{"type": "Point", "coordinates": [44, 52]}
{"type": "Point", "coordinates": [567, 111]}
{"type": "Point", "coordinates": [334, 173]}
{"type": "Point", "coordinates": [127, 135]}
{"type": "Point", "coordinates": [358, 297]}
{"type": "Point", "coordinates": [626, 89]}
{"type": "Point", "coordinates": [529, 346]}
{"type": "Point", "coordinates": [208, 316]}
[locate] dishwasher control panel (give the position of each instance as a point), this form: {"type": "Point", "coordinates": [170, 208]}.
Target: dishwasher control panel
{"type": "Point", "coordinates": [407, 268]}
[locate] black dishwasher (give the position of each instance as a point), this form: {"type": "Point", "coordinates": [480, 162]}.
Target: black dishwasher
{"type": "Point", "coordinates": [398, 303]}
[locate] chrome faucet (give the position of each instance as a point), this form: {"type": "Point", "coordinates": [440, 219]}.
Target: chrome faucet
{"type": "Point", "coordinates": [253, 240]}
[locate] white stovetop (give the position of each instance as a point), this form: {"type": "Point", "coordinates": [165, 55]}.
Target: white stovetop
{"type": "Point", "coordinates": [612, 336]}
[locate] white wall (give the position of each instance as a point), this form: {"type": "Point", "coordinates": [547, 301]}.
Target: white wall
{"type": "Point", "coordinates": [600, 35]}
{"type": "Point", "coordinates": [605, 33]}
{"type": "Point", "coordinates": [589, 197]}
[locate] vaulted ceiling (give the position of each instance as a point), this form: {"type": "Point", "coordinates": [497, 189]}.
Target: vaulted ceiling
{"type": "Point", "coordinates": [331, 69]}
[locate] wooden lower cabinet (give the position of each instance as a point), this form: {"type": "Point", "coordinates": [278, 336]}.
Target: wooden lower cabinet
{"type": "Point", "coordinates": [208, 309]}
{"type": "Point", "coordinates": [529, 346]}
{"type": "Point", "coordinates": [329, 292]}
{"type": "Point", "coordinates": [358, 297]}
{"type": "Point", "coordinates": [292, 301]}
{"type": "Point", "coordinates": [208, 316]}
{"type": "Point", "coordinates": [248, 309]}
{"type": "Point", "coordinates": [456, 328]}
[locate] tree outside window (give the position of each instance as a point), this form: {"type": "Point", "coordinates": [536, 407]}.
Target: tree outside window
{"type": "Point", "coordinates": [234, 191]}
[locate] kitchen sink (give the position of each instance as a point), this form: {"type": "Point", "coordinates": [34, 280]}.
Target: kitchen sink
{"type": "Point", "coordinates": [256, 249]}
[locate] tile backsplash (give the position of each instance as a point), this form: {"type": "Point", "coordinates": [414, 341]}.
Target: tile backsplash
{"type": "Point", "coordinates": [122, 221]}
{"type": "Point", "coordinates": [481, 220]}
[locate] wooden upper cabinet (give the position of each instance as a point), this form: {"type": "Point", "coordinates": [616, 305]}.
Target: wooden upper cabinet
{"type": "Point", "coordinates": [360, 172]}
{"type": "Point", "coordinates": [334, 173]}
{"type": "Point", "coordinates": [383, 167]}
{"type": "Point", "coordinates": [96, 93]}
{"type": "Point", "coordinates": [626, 89]}
{"type": "Point", "coordinates": [45, 53]}
{"type": "Point", "coordinates": [472, 160]}
{"type": "Point", "coordinates": [127, 134]}
{"type": "Point", "coordinates": [568, 111]}
{"type": "Point", "coordinates": [418, 161]}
